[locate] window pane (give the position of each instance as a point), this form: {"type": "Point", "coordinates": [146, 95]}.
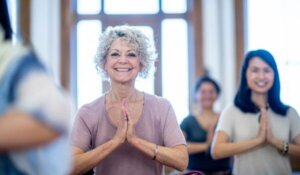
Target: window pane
{"type": "Point", "coordinates": [131, 6]}
{"type": "Point", "coordinates": [13, 14]}
{"type": "Point", "coordinates": [174, 6]}
{"type": "Point", "coordinates": [146, 85]}
{"type": "Point", "coordinates": [88, 6]}
{"type": "Point", "coordinates": [175, 65]}
{"type": "Point", "coordinates": [281, 37]}
{"type": "Point", "coordinates": [89, 84]}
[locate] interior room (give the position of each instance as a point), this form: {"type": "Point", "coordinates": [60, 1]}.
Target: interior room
{"type": "Point", "coordinates": [193, 38]}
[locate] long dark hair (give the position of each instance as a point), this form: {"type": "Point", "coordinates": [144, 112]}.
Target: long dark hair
{"type": "Point", "coordinates": [243, 97]}
{"type": "Point", "coordinates": [4, 20]}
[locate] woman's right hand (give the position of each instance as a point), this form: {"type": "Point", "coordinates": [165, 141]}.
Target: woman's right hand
{"type": "Point", "coordinates": [120, 135]}
{"type": "Point", "coordinates": [210, 135]}
{"type": "Point", "coordinates": [262, 134]}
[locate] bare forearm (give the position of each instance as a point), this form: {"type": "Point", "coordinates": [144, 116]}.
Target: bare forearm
{"type": "Point", "coordinates": [173, 157]}
{"type": "Point", "coordinates": [197, 147]}
{"type": "Point", "coordinates": [293, 149]}
{"type": "Point", "coordinates": [225, 149]}
{"type": "Point", "coordinates": [20, 131]}
{"type": "Point", "coordinates": [88, 160]}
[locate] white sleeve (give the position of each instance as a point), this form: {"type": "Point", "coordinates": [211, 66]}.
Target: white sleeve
{"type": "Point", "coordinates": [38, 95]}
{"type": "Point", "coordinates": [294, 123]}
{"type": "Point", "coordinates": [225, 122]}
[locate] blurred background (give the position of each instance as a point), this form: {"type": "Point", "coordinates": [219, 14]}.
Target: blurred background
{"type": "Point", "coordinates": [193, 38]}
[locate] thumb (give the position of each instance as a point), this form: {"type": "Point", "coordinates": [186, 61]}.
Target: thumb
{"type": "Point", "coordinates": [124, 111]}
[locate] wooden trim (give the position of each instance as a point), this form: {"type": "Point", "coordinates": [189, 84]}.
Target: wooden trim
{"type": "Point", "coordinates": [196, 37]}
{"type": "Point", "coordinates": [158, 65]}
{"type": "Point", "coordinates": [65, 44]}
{"type": "Point", "coordinates": [151, 17]}
{"type": "Point", "coordinates": [196, 63]}
{"type": "Point", "coordinates": [24, 20]}
{"type": "Point", "coordinates": [239, 35]}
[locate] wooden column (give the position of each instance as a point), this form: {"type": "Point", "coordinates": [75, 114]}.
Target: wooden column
{"type": "Point", "coordinates": [24, 20]}
{"type": "Point", "coordinates": [65, 44]}
{"type": "Point", "coordinates": [196, 37]}
{"type": "Point", "coordinates": [240, 19]}
{"type": "Point", "coordinates": [196, 63]}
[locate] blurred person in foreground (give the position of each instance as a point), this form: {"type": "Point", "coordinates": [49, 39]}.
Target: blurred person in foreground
{"type": "Point", "coordinates": [127, 131]}
{"type": "Point", "coordinates": [259, 130]}
{"type": "Point", "coordinates": [34, 113]}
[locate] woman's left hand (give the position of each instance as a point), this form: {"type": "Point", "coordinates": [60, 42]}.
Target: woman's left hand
{"type": "Point", "coordinates": [271, 139]}
{"type": "Point", "coordinates": [270, 136]}
{"type": "Point", "coordinates": [130, 135]}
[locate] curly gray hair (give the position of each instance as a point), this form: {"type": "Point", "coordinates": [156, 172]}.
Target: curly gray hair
{"type": "Point", "coordinates": [136, 39]}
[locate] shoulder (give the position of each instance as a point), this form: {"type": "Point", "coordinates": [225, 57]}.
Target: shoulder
{"type": "Point", "coordinates": [159, 107]}
{"type": "Point", "coordinates": [27, 64]}
{"type": "Point", "coordinates": [292, 113]}
{"type": "Point", "coordinates": [158, 101]}
{"type": "Point", "coordinates": [231, 109]}
{"type": "Point", "coordinates": [91, 110]}
{"type": "Point", "coordinates": [188, 120]}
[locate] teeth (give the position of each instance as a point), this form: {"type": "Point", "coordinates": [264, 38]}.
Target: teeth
{"type": "Point", "coordinates": [261, 83]}
{"type": "Point", "coordinates": [122, 69]}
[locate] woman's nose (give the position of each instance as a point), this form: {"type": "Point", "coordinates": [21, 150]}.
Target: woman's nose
{"type": "Point", "coordinates": [261, 75]}
{"type": "Point", "coordinates": [123, 59]}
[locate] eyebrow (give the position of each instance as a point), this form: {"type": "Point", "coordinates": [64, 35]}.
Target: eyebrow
{"type": "Point", "coordinates": [131, 50]}
{"type": "Point", "coordinates": [257, 67]}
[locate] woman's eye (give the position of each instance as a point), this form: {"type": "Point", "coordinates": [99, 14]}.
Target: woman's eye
{"type": "Point", "coordinates": [255, 70]}
{"type": "Point", "coordinates": [268, 70]}
{"type": "Point", "coordinates": [114, 54]}
{"type": "Point", "coordinates": [132, 55]}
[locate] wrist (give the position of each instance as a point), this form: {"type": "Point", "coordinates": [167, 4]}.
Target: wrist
{"type": "Point", "coordinates": [258, 141]}
{"type": "Point", "coordinates": [117, 141]}
{"type": "Point", "coordinates": [276, 143]}
{"type": "Point", "coordinates": [133, 140]}
{"type": "Point", "coordinates": [155, 152]}
{"type": "Point", "coordinates": [207, 145]}
{"type": "Point", "coordinates": [285, 148]}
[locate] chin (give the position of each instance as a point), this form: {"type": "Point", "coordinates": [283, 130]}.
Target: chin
{"type": "Point", "coordinates": [261, 91]}
{"type": "Point", "coordinates": [125, 81]}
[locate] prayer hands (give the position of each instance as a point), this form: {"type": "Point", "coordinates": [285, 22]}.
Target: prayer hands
{"type": "Point", "coordinates": [265, 133]}
{"type": "Point", "coordinates": [264, 125]}
{"type": "Point", "coordinates": [130, 134]}
{"type": "Point", "coordinates": [122, 127]}
{"type": "Point", "coordinates": [125, 126]}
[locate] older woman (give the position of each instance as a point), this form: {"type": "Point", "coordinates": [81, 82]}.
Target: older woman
{"type": "Point", "coordinates": [127, 131]}
{"type": "Point", "coordinates": [259, 130]}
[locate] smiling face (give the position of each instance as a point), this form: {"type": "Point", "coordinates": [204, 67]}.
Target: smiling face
{"type": "Point", "coordinates": [123, 62]}
{"type": "Point", "coordinates": [260, 76]}
{"type": "Point", "coordinates": [206, 95]}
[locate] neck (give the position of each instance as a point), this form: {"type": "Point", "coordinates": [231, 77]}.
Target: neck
{"type": "Point", "coordinates": [259, 99]}
{"type": "Point", "coordinates": [206, 112]}
{"type": "Point", "coordinates": [120, 92]}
